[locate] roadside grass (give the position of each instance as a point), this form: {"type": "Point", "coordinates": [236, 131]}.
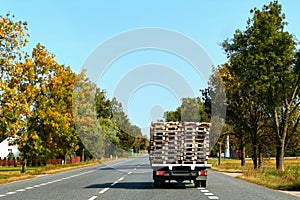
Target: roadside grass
{"type": "Point", "coordinates": [267, 175]}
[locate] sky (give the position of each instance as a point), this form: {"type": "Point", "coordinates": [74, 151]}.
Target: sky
{"type": "Point", "coordinates": [147, 81]}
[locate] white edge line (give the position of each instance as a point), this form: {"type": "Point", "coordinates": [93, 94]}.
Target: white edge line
{"type": "Point", "coordinates": [11, 192]}
{"type": "Point", "coordinates": [204, 191]}
{"type": "Point", "coordinates": [213, 197]}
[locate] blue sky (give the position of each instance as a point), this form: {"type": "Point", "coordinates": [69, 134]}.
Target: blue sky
{"type": "Point", "coordinates": [73, 29]}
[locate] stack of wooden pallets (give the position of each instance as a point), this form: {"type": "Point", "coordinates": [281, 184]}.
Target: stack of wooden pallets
{"type": "Point", "coordinates": [179, 143]}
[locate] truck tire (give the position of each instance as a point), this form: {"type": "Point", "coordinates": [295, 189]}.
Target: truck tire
{"type": "Point", "coordinates": [203, 184]}
{"type": "Point", "coordinates": [180, 180]}
{"type": "Point", "coordinates": [158, 183]}
{"type": "Point", "coordinates": [197, 183]}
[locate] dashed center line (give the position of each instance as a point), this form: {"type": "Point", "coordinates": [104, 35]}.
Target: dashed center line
{"type": "Point", "coordinates": [207, 193]}
{"type": "Point", "coordinates": [93, 197]}
{"type": "Point", "coordinates": [213, 197]}
{"type": "Point", "coordinates": [114, 183]}
{"type": "Point", "coordinates": [104, 190]}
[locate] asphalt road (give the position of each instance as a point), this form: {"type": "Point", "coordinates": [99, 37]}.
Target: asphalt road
{"type": "Point", "coordinates": [128, 180]}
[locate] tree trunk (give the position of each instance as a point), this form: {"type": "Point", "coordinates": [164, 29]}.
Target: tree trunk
{"type": "Point", "coordinates": [243, 159]}
{"type": "Point", "coordinates": [254, 156]}
{"type": "Point", "coordinates": [24, 165]}
{"type": "Point", "coordinates": [243, 148]}
{"type": "Point", "coordinates": [220, 152]}
{"type": "Point", "coordinates": [280, 157]}
{"type": "Point", "coordinates": [259, 156]}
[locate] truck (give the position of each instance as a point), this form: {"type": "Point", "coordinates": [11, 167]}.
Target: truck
{"type": "Point", "coordinates": [179, 151]}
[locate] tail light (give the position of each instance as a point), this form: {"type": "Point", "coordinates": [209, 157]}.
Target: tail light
{"type": "Point", "coordinates": [203, 173]}
{"type": "Point", "coordinates": [160, 173]}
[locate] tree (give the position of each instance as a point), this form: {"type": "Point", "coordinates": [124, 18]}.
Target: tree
{"type": "Point", "coordinates": [47, 125]}
{"type": "Point", "coordinates": [264, 61]}
{"type": "Point", "coordinates": [111, 141]}
{"type": "Point", "coordinates": [173, 116]}
{"type": "Point", "coordinates": [191, 109]}
{"type": "Point", "coordinates": [103, 105]}
{"type": "Point", "coordinates": [85, 115]}
{"type": "Point", "coordinates": [13, 37]}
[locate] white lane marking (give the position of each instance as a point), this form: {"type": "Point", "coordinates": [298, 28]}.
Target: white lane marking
{"type": "Point", "coordinates": [121, 178]}
{"type": "Point", "coordinates": [65, 178]}
{"type": "Point", "coordinates": [11, 192]}
{"type": "Point", "coordinates": [104, 190]}
{"type": "Point", "coordinates": [114, 183]}
{"type": "Point", "coordinates": [207, 193]}
{"type": "Point", "coordinates": [93, 197]}
{"type": "Point", "coordinates": [213, 197]}
{"type": "Point", "coordinates": [129, 172]}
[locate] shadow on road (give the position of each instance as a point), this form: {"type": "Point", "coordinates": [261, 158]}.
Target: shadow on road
{"type": "Point", "coordinates": [142, 185]}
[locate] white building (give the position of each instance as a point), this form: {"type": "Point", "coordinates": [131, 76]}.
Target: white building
{"type": "Point", "coordinates": [5, 149]}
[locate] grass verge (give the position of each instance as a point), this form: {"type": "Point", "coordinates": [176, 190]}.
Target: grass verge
{"type": "Point", "coordinates": [267, 175]}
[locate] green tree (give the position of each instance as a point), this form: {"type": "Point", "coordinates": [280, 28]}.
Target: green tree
{"type": "Point", "coordinates": [111, 141]}
{"type": "Point", "coordinates": [85, 115]}
{"type": "Point", "coordinates": [243, 114]}
{"type": "Point", "coordinates": [103, 105]}
{"type": "Point", "coordinates": [263, 59]}
{"type": "Point", "coordinates": [191, 109]}
{"type": "Point", "coordinates": [173, 116]}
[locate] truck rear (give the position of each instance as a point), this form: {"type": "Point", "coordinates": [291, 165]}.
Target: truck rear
{"type": "Point", "coordinates": [179, 151]}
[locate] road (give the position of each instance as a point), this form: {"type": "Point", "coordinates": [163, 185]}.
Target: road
{"type": "Point", "coordinates": [128, 180]}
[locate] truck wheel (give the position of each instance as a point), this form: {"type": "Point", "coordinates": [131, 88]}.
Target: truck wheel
{"type": "Point", "coordinates": [179, 180]}
{"type": "Point", "coordinates": [203, 184]}
{"type": "Point", "coordinates": [197, 183]}
{"type": "Point", "coordinates": [158, 183]}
